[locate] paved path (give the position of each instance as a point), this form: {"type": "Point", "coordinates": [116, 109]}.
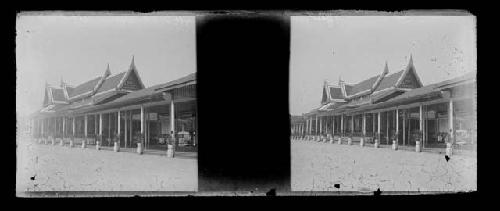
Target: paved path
{"type": "Point", "coordinates": [319, 166]}
{"type": "Point", "coordinates": [60, 168]}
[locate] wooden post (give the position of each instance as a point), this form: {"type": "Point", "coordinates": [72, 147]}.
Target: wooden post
{"type": "Point", "coordinates": [333, 126]}
{"type": "Point", "coordinates": [100, 124]}
{"type": "Point", "coordinates": [364, 124]}
{"type": "Point", "coordinates": [341, 124]}
{"type": "Point", "coordinates": [320, 125]}
{"type": "Point", "coordinates": [95, 125]}
{"type": "Point", "coordinates": [125, 129]}
{"type": "Point", "coordinates": [404, 127]}
{"type": "Point", "coordinates": [397, 124]}
{"type": "Point", "coordinates": [378, 123]}
{"type": "Point", "coordinates": [171, 149]}
{"type": "Point", "coordinates": [85, 122]}
{"type": "Point", "coordinates": [421, 116]}
{"type": "Point", "coordinates": [172, 117]}
{"type": "Point", "coordinates": [41, 127]}
{"type": "Point", "coordinates": [352, 125]}
{"type": "Point", "coordinates": [450, 121]}
{"type": "Point", "coordinates": [373, 122]}
{"type": "Point", "coordinates": [142, 119]}
{"type": "Point", "coordinates": [316, 126]}
{"type": "Point", "coordinates": [118, 119]}
{"type": "Point", "coordinates": [387, 128]}
{"type": "Point", "coordinates": [109, 127]}
{"type": "Point", "coordinates": [64, 127]}
{"type": "Point", "coordinates": [55, 127]}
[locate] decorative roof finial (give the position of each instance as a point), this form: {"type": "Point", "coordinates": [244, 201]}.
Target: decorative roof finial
{"type": "Point", "coordinates": [132, 64]}
{"type": "Point", "coordinates": [410, 63]}
{"type": "Point", "coordinates": [107, 72]}
{"type": "Point", "coordinates": [386, 68]}
{"type": "Point", "coordinates": [62, 82]}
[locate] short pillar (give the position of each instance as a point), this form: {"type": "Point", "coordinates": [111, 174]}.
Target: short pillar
{"type": "Point", "coordinates": [377, 141]}
{"type": "Point", "coordinates": [97, 145]}
{"type": "Point", "coordinates": [116, 147]}
{"type": "Point", "coordinates": [139, 148]}
{"type": "Point", "coordinates": [449, 149]}
{"type": "Point", "coordinates": [170, 151]}
{"type": "Point", "coordinates": [84, 144]}
{"type": "Point", "coordinates": [417, 146]}
{"type": "Point", "coordinates": [52, 140]}
{"type": "Point", "coordinates": [349, 140]}
{"type": "Point", "coordinates": [394, 145]}
{"type": "Point", "coordinates": [332, 139]}
{"type": "Point", "coordinates": [362, 141]}
{"type": "Point", "coordinates": [339, 140]}
{"type": "Point", "coordinates": [71, 142]}
{"type": "Point", "coordinates": [62, 142]}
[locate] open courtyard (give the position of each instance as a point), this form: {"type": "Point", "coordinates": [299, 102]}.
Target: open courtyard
{"type": "Point", "coordinates": [318, 166]}
{"type": "Point", "coordinates": [61, 168]}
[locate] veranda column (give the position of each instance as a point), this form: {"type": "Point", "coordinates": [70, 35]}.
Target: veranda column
{"type": "Point", "coordinates": [100, 124]}
{"type": "Point", "coordinates": [125, 129]}
{"type": "Point", "coordinates": [364, 124]}
{"type": "Point", "coordinates": [85, 128]}
{"type": "Point", "coordinates": [118, 119]}
{"type": "Point", "coordinates": [320, 125]}
{"type": "Point", "coordinates": [387, 127]}
{"type": "Point", "coordinates": [74, 126]}
{"type": "Point", "coordinates": [450, 123]}
{"type": "Point", "coordinates": [172, 117]}
{"type": "Point", "coordinates": [309, 126]}
{"type": "Point", "coordinates": [352, 124]}
{"type": "Point", "coordinates": [333, 126]}
{"type": "Point", "coordinates": [41, 127]}
{"type": "Point", "coordinates": [450, 120]}
{"type": "Point", "coordinates": [96, 129]}
{"type": "Point", "coordinates": [171, 148]}
{"type": "Point", "coordinates": [142, 119]}
{"type": "Point", "coordinates": [421, 127]}
{"type": "Point", "coordinates": [397, 124]}
{"type": "Point", "coordinates": [64, 127]}
{"type": "Point", "coordinates": [363, 130]}
{"type": "Point", "coordinates": [404, 126]}
{"type": "Point", "coordinates": [394, 145]}
{"type": "Point", "coordinates": [142, 126]}
{"type": "Point", "coordinates": [55, 128]}
{"type": "Point", "coordinates": [378, 130]}
{"type": "Point", "coordinates": [373, 122]}
{"type": "Point", "coordinates": [341, 124]}
{"type": "Point", "coordinates": [316, 126]}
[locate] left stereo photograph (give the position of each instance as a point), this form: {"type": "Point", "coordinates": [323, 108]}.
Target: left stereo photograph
{"type": "Point", "coordinates": [105, 102]}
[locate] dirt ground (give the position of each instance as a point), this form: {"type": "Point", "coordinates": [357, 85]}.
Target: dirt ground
{"type": "Point", "coordinates": [60, 168]}
{"type": "Point", "coordinates": [320, 166]}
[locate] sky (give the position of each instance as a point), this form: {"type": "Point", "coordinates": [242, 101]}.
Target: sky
{"type": "Point", "coordinates": [356, 48]}
{"type": "Point", "coordinates": [79, 48]}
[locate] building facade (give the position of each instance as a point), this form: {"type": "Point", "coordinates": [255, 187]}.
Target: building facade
{"type": "Point", "coordinates": [118, 108]}
{"type": "Point", "coordinates": [395, 109]}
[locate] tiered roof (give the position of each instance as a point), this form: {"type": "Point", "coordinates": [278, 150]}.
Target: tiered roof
{"type": "Point", "coordinates": [372, 90]}
{"type": "Point", "coordinates": [98, 90]}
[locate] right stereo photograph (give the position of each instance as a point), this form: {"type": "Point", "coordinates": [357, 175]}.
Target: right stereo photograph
{"type": "Point", "coordinates": [383, 103]}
